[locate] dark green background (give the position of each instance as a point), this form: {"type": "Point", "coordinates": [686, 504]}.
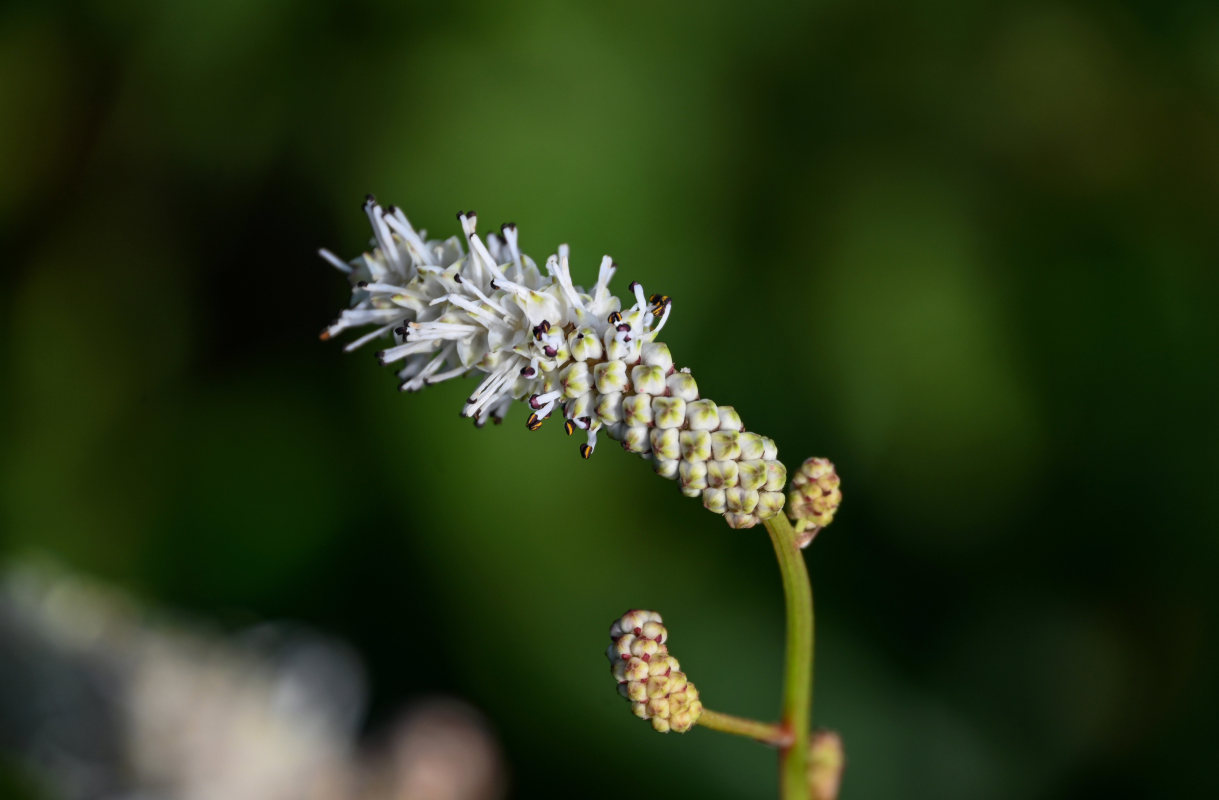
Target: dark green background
{"type": "Point", "coordinates": [966, 250]}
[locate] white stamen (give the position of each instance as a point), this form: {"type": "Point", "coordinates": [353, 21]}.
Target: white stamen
{"type": "Point", "coordinates": [471, 287]}
{"type": "Point", "coordinates": [640, 302]}
{"type": "Point", "coordinates": [563, 274]}
{"type": "Point", "coordinates": [386, 288]}
{"type": "Point", "coordinates": [398, 352]}
{"type": "Point", "coordinates": [468, 305]}
{"type": "Point", "coordinates": [365, 316]}
{"type": "Point", "coordinates": [545, 410]}
{"type": "Point", "coordinates": [368, 337]}
{"type": "Point", "coordinates": [491, 387]}
{"type": "Point", "coordinates": [420, 380]}
{"type": "Point", "coordinates": [604, 274]}
{"type": "Point", "coordinates": [664, 317]}
{"type": "Point", "coordinates": [385, 239]}
{"type": "Point", "coordinates": [421, 331]}
{"type": "Point", "coordinates": [510, 236]}
{"type": "Point", "coordinates": [440, 377]}
{"type": "Point", "coordinates": [337, 262]}
{"type": "Point", "coordinates": [415, 245]}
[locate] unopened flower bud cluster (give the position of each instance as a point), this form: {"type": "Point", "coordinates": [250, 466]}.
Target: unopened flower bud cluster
{"type": "Point", "coordinates": [826, 762]}
{"type": "Point", "coordinates": [539, 338]}
{"type": "Point", "coordinates": [814, 497]}
{"type": "Point", "coordinates": [648, 677]}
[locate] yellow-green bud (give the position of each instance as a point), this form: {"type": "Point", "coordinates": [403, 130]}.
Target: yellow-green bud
{"type": "Point", "coordinates": [648, 676]}
{"type": "Point", "coordinates": [826, 761]}
{"type": "Point", "coordinates": [814, 497]}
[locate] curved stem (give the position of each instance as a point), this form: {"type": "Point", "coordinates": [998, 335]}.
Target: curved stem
{"type": "Point", "coordinates": [764, 732]}
{"type": "Point", "coordinates": [798, 680]}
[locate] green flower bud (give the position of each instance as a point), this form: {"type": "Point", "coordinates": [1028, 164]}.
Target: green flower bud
{"type": "Point", "coordinates": [826, 762]}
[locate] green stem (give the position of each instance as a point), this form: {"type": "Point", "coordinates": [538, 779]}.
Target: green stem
{"type": "Point", "coordinates": [764, 732]}
{"type": "Point", "coordinates": [798, 681]}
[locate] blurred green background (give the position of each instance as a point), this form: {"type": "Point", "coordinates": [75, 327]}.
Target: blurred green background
{"type": "Point", "coordinates": [966, 250]}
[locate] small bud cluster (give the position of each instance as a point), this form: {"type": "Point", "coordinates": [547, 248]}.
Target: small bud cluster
{"type": "Point", "coordinates": [814, 497]}
{"type": "Point", "coordinates": [535, 336]}
{"type": "Point", "coordinates": [648, 676]}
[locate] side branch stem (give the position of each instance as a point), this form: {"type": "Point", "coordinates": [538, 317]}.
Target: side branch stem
{"type": "Point", "coordinates": [764, 732]}
{"type": "Point", "coordinates": [798, 680]}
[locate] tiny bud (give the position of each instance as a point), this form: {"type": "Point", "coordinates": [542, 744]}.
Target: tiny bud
{"type": "Point", "coordinates": [826, 762]}
{"type": "Point", "coordinates": [814, 498]}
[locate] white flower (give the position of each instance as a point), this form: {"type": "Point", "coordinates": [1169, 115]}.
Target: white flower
{"type": "Point", "coordinates": [537, 337]}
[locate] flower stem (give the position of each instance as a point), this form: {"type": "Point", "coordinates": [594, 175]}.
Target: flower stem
{"type": "Point", "coordinates": [798, 680]}
{"type": "Point", "coordinates": [764, 732]}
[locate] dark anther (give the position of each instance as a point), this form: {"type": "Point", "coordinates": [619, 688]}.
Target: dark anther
{"type": "Point", "coordinates": [623, 328]}
{"type": "Point", "coordinates": [569, 426]}
{"type": "Point", "coordinates": [549, 351]}
{"type": "Point", "coordinates": [533, 402]}
{"type": "Point", "coordinates": [586, 450]}
{"type": "Point", "coordinates": [528, 372]}
{"type": "Point", "coordinates": [361, 284]}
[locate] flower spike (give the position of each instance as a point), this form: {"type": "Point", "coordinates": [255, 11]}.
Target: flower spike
{"type": "Point", "coordinates": [648, 676]}
{"type": "Point", "coordinates": [535, 336]}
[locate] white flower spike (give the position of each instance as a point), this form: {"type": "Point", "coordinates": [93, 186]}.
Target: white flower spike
{"type": "Point", "coordinates": [533, 335]}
